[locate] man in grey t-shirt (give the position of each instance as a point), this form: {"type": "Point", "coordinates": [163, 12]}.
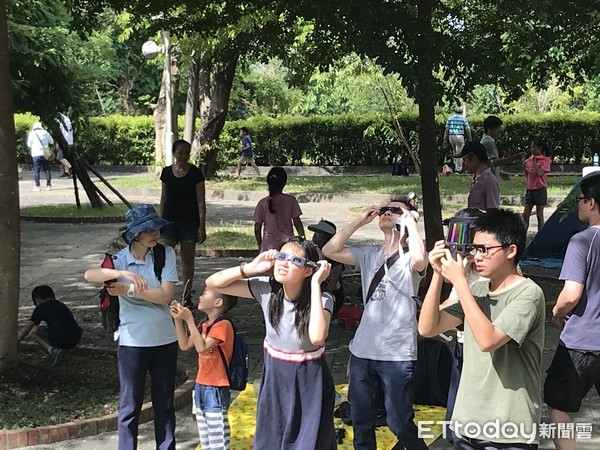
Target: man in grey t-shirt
{"type": "Point", "coordinates": [384, 349]}
{"type": "Point", "coordinates": [492, 127]}
{"type": "Point", "coordinates": [576, 364]}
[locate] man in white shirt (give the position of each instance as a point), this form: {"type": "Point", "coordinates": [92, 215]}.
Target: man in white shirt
{"type": "Point", "coordinates": [66, 129]}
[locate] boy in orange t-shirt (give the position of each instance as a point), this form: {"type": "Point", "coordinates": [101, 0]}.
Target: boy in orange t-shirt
{"type": "Point", "coordinates": [537, 166]}
{"type": "Point", "coordinates": [211, 394]}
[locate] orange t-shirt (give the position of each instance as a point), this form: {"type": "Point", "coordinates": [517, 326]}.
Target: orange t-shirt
{"type": "Point", "coordinates": [211, 371]}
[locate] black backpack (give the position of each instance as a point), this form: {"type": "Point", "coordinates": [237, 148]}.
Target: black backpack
{"type": "Point", "coordinates": [399, 169]}
{"type": "Point", "coordinates": [432, 374]}
{"type": "Point", "coordinates": [237, 369]}
{"type": "Point", "coordinates": [109, 304]}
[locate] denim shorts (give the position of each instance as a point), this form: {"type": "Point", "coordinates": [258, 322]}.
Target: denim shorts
{"type": "Point", "coordinates": [211, 398]}
{"type": "Point", "coordinates": [186, 232]}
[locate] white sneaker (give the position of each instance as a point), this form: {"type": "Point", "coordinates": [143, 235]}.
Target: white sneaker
{"type": "Point", "coordinates": [36, 189]}
{"type": "Point", "coordinates": [48, 188]}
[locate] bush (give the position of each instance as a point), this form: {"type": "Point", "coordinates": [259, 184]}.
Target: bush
{"type": "Point", "coordinates": [325, 140]}
{"type": "Point", "coordinates": [117, 140]}
{"type": "Point", "coordinates": [318, 140]}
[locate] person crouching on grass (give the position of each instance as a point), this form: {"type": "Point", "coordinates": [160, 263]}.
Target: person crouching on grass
{"type": "Point", "coordinates": [503, 317]}
{"type": "Point", "coordinates": [296, 397]}
{"type": "Point", "coordinates": [146, 334]}
{"type": "Point", "coordinates": [60, 332]}
{"type": "Point", "coordinates": [211, 394]}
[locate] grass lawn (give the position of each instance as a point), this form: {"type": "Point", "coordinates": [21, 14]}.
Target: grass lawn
{"type": "Point", "coordinates": [230, 237]}
{"type": "Point", "coordinates": [222, 236]}
{"type": "Point", "coordinates": [70, 210]}
{"type": "Point", "coordinates": [558, 186]}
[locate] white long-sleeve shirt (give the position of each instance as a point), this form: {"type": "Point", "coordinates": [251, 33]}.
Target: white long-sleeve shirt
{"type": "Point", "coordinates": [37, 140]}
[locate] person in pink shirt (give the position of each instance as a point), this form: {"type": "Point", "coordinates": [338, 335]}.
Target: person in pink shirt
{"type": "Point", "coordinates": [274, 215]}
{"type": "Point", "coordinates": [537, 167]}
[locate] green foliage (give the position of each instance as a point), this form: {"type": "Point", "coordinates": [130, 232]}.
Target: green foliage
{"type": "Point", "coordinates": [327, 140]}
{"type": "Point", "coordinates": [52, 67]}
{"type": "Point", "coordinates": [118, 140]}
{"type": "Point", "coordinates": [262, 89]}
{"type": "Point", "coordinates": [350, 85]}
{"type": "Point", "coordinates": [318, 140]}
{"type": "Point", "coordinates": [573, 138]}
{"type": "Point", "coordinates": [558, 185]}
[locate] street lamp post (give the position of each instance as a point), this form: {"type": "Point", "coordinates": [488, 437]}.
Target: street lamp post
{"type": "Point", "coordinates": [151, 50]}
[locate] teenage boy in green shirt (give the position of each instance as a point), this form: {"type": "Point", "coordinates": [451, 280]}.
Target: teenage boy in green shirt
{"type": "Point", "coordinates": [498, 404]}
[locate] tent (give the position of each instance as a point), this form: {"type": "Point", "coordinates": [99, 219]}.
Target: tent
{"type": "Point", "coordinates": [550, 243]}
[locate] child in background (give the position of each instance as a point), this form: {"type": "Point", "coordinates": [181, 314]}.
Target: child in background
{"type": "Point", "coordinates": [246, 152]}
{"type": "Point", "coordinates": [537, 168]}
{"type": "Point", "coordinates": [211, 394]}
{"type": "Point", "coordinates": [61, 331]}
{"type": "Point", "coordinates": [296, 397]}
{"type": "Point", "coordinates": [276, 213]}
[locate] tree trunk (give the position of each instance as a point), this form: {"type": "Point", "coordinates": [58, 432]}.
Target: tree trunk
{"type": "Point", "coordinates": [9, 205]}
{"type": "Point", "coordinates": [191, 102]}
{"type": "Point", "coordinates": [79, 169]}
{"type": "Point", "coordinates": [426, 89]}
{"type": "Point", "coordinates": [159, 114]}
{"type": "Point", "coordinates": [204, 96]}
{"type": "Point", "coordinates": [208, 137]}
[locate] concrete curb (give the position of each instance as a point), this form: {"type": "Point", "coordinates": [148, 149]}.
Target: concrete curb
{"type": "Point", "coordinates": [24, 437]}
{"type": "Point", "coordinates": [76, 220]}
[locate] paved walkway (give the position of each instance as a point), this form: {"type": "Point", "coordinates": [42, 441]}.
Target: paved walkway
{"type": "Point", "coordinates": [58, 254]}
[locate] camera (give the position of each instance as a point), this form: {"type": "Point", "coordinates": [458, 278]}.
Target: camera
{"type": "Point", "coordinates": [398, 222]}
{"type": "Point", "coordinates": [460, 237]}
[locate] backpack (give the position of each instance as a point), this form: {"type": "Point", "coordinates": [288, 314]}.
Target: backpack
{"type": "Point", "coordinates": [109, 304]}
{"type": "Point", "coordinates": [399, 169]}
{"type": "Point", "coordinates": [237, 369]}
{"type": "Point", "coordinates": [432, 373]}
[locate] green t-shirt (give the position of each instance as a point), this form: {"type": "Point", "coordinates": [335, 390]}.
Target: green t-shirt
{"type": "Point", "coordinates": [503, 387]}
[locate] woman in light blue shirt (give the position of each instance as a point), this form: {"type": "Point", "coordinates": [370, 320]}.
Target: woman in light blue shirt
{"type": "Point", "coordinates": [146, 334]}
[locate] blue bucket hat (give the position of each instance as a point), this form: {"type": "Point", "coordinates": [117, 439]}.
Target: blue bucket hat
{"type": "Point", "coordinates": [139, 219]}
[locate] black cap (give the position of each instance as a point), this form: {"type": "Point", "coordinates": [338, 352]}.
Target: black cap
{"type": "Point", "coordinates": [474, 148]}
{"type": "Point", "coordinates": [324, 226]}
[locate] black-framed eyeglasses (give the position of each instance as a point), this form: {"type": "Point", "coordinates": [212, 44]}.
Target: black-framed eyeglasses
{"type": "Point", "coordinates": [581, 197]}
{"type": "Point", "coordinates": [295, 260]}
{"type": "Point", "coordinates": [392, 209]}
{"type": "Point", "coordinates": [484, 250]}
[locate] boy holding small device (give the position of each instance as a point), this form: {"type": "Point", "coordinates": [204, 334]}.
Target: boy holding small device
{"type": "Point", "coordinates": [503, 315]}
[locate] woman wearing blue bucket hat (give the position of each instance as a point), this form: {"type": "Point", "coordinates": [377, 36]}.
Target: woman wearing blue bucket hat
{"type": "Point", "coordinates": [146, 334]}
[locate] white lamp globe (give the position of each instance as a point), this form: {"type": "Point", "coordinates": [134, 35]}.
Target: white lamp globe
{"type": "Point", "coordinates": [150, 49]}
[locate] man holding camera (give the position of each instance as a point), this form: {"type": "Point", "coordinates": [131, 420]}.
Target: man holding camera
{"type": "Point", "coordinates": [384, 348]}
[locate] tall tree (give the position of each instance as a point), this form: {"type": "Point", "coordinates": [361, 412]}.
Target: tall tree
{"type": "Point", "coordinates": [9, 205]}
{"type": "Point", "coordinates": [443, 49]}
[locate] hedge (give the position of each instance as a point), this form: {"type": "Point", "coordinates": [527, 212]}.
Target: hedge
{"type": "Point", "coordinates": [325, 140]}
